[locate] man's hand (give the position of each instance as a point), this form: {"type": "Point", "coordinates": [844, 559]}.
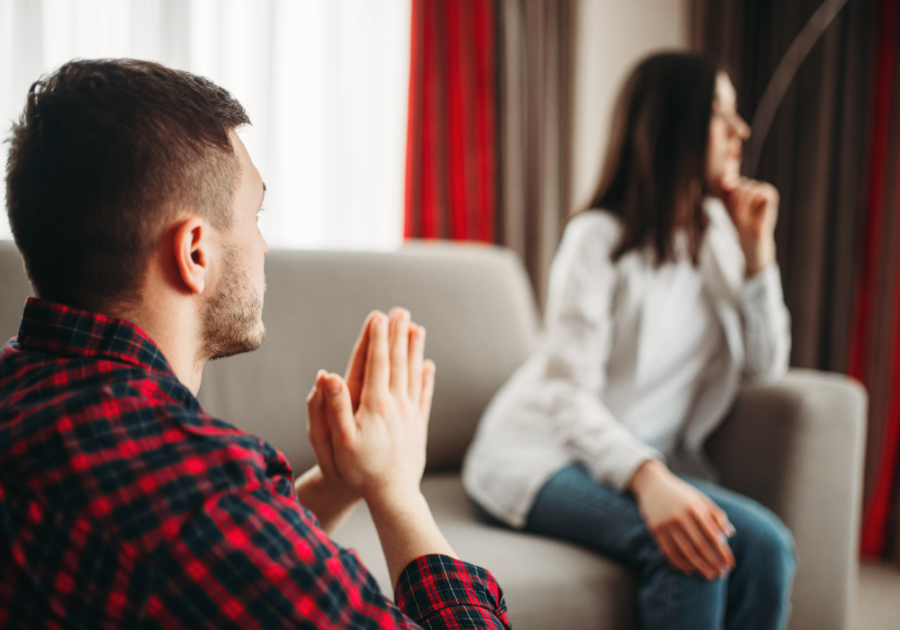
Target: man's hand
{"type": "Point", "coordinates": [690, 530]}
{"type": "Point", "coordinates": [753, 207]}
{"type": "Point", "coordinates": [371, 436]}
{"type": "Point", "coordinates": [378, 417]}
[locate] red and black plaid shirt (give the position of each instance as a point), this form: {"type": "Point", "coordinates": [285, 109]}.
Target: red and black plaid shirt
{"type": "Point", "coordinates": [124, 505]}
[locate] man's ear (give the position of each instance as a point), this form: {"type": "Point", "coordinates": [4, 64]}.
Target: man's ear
{"type": "Point", "coordinates": [192, 253]}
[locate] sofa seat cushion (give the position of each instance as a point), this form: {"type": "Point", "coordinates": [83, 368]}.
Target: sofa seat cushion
{"type": "Point", "coordinates": [547, 583]}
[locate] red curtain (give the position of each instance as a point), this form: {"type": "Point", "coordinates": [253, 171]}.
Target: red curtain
{"type": "Point", "coordinates": [451, 142]}
{"type": "Point", "coordinates": [876, 328]}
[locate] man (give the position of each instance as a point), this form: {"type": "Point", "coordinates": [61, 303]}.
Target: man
{"type": "Point", "coordinates": [123, 504]}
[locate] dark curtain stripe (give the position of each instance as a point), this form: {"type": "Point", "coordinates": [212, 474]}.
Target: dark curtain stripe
{"type": "Point", "coordinates": [451, 145]}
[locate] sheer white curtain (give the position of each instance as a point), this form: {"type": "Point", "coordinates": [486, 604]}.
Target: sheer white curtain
{"type": "Point", "coordinates": [325, 83]}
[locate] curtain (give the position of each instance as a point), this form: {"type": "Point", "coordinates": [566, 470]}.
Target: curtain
{"type": "Point", "coordinates": [536, 58]}
{"type": "Point", "coordinates": [832, 153]}
{"type": "Point", "coordinates": [488, 154]}
{"type": "Point", "coordinates": [451, 142]}
{"type": "Point", "coordinates": [324, 81]}
{"type": "Point", "coordinates": [875, 344]}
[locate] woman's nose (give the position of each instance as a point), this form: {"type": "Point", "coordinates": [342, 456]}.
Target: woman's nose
{"type": "Point", "coordinates": [741, 128]}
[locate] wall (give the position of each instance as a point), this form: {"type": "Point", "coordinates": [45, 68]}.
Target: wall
{"type": "Point", "coordinates": [612, 35]}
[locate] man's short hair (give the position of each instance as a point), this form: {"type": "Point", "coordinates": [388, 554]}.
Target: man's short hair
{"type": "Point", "coordinates": [106, 154]}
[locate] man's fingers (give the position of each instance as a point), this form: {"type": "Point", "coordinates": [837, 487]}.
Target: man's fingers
{"type": "Point", "coordinates": [339, 408]}
{"type": "Point", "coordinates": [356, 367]}
{"type": "Point", "coordinates": [428, 369]}
{"type": "Point", "coordinates": [416, 357]}
{"type": "Point", "coordinates": [399, 351]}
{"type": "Point", "coordinates": [378, 367]}
{"type": "Point", "coordinates": [317, 428]}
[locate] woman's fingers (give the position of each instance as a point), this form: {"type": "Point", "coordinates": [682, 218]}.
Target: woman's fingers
{"type": "Point", "coordinates": [703, 551]}
{"type": "Point", "coordinates": [399, 382]}
{"type": "Point", "coordinates": [416, 355]}
{"type": "Point", "coordinates": [671, 552]}
{"type": "Point", "coordinates": [719, 516]}
{"type": "Point", "coordinates": [716, 537]}
{"type": "Point", "coordinates": [378, 367]}
{"type": "Point", "coordinates": [683, 542]}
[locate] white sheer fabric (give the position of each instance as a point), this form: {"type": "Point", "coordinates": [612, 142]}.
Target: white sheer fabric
{"type": "Point", "coordinates": [325, 83]}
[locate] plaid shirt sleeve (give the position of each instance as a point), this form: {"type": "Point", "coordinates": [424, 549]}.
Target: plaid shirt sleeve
{"type": "Point", "coordinates": [256, 558]}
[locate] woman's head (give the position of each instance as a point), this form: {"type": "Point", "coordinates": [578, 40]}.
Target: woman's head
{"type": "Point", "coordinates": [670, 144]}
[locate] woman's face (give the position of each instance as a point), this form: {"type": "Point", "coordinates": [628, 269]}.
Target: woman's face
{"type": "Point", "coordinates": [727, 133]}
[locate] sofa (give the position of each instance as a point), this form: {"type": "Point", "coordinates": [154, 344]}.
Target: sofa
{"type": "Point", "coordinates": [797, 447]}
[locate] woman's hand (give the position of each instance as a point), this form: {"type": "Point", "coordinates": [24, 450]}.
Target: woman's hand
{"type": "Point", "coordinates": [690, 530]}
{"type": "Point", "coordinates": [370, 430]}
{"type": "Point", "coordinates": [753, 207]}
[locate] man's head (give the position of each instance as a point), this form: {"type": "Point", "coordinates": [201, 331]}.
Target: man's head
{"type": "Point", "coordinates": [106, 162]}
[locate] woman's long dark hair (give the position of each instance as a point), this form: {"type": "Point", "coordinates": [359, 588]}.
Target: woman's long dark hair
{"type": "Point", "coordinates": [654, 172]}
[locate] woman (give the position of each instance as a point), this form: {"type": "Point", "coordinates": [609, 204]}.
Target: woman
{"type": "Point", "coordinates": [663, 298]}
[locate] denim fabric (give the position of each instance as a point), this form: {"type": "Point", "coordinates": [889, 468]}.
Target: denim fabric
{"type": "Point", "coordinates": [755, 595]}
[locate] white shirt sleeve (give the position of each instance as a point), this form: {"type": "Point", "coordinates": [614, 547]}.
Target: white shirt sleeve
{"type": "Point", "coordinates": [579, 326]}
{"type": "Point", "coordinates": [767, 327]}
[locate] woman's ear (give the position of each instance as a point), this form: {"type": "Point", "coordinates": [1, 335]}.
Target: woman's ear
{"type": "Point", "coordinates": [192, 256]}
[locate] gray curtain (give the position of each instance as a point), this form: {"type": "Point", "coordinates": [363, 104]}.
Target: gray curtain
{"type": "Point", "coordinates": [535, 57]}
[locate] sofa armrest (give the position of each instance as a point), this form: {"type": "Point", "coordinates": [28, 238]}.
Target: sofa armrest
{"type": "Point", "coordinates": [797, 447]}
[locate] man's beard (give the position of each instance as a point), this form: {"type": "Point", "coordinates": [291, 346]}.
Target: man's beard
{"type": "Point", "coordinates": [232, 316]}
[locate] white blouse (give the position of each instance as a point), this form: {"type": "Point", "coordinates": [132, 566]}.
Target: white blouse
{"type": "Point", "coordinates": [682, 336]}
{"type": "Point", "coordinates": [606, 387]}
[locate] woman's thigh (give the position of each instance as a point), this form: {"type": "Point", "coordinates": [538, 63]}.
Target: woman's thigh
{"type": "Point", "coordinates": [573, 506]}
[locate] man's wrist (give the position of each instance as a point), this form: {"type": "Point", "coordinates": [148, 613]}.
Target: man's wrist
{"type": "Point", "coordinates": [396, 500]}
{"type": "Point", "coordinates": [313, 485]}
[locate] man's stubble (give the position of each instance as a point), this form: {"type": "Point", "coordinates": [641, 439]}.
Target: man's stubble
{"type": "Point", "coordinates": [232, 323]}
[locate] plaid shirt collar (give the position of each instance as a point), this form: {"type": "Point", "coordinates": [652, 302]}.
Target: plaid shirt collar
{"type": "Point", "coordinates": [60, 329]}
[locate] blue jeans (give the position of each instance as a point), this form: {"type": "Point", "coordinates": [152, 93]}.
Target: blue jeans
{"type": "Point", "coordinates": [755, 595]}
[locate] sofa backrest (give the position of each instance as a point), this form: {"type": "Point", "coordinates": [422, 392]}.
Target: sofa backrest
{"type": "Point", "coordinates": [474, 301]}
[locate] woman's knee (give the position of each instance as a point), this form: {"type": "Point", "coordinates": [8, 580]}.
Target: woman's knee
{"type": "Point", "coordinates": [771, 552]}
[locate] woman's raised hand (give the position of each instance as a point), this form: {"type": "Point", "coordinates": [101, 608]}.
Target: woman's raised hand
{"type": "Point", "coordinates": [753, 207]}
{"type": "Point", "coordinates": [369, 430]}
{"type": "Point", "coordinates": [690, 530]}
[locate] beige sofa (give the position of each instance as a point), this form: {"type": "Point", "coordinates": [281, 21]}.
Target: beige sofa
{"type": "Point", "coordinates": [797, 447]}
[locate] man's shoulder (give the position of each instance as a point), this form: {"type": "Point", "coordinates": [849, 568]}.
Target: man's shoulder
{"type": "Point", "coordinates": [35, 382]}
{"type": "Point", "coordinates": [94, 414]}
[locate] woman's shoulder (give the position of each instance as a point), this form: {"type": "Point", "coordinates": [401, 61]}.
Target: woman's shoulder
{"type": "Point", "coordinates": [594, 228]}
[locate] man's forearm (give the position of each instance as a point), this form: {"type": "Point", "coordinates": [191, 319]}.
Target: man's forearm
{"type": "Point", "coordinates": [407, 530]}
{"type": "Point", "coordinates": [332, 504]}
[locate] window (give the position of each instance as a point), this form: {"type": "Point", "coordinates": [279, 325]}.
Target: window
{"type": "Point", "coordinates": [325, 83]}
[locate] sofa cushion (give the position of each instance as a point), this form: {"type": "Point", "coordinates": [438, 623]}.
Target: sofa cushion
{"type": "Point", "coordinates": [14, 289]}
{"type": "Point", "coordinates": [547, 583]}
{"type": "Point", "coordinates": [474, 301]}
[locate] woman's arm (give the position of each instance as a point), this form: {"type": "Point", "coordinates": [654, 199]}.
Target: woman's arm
{"type": "Point", "coordinates": [753, 208]}
{"type": "Point", "coordinates": [580, 328]}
